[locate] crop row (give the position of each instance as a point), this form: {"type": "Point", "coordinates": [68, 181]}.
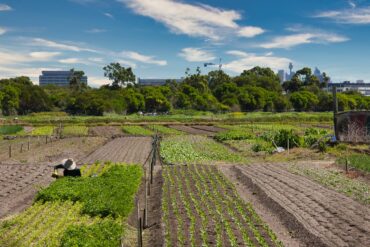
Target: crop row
{"type": "Point", "coordinates": [196, 149]}
{"type": "Point", "coordinates": [201, 208]}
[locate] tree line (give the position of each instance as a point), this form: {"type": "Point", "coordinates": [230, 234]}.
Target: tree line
{"type": "Point", "coordinates": [257, 89]}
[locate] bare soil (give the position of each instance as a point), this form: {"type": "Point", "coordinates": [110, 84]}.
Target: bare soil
{"type": "Point", "coordinates": [19, 184]}
{"type": "Point", "coordinates": [106, 131]}
{"type": "Point", "coordinates": [314, 215]}
{"type": "Point", "coordinates": [53, 152]}
{"type": "Point", "coordinates": [126, 149]}
{"type": "Point", "coordinates": [191, 130]}
{"type": "Point", "coordinates": [209, 128]}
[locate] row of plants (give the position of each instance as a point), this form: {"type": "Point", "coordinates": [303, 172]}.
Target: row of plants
{"type": "Point", "coordinates": [261, 139]}
{"type": "Point", "coordinates": [196, 149]}
{"type": "Point", "coordinates": [137, 130]}
{"type": "Point", "coordinates": [10, 129]}
{"type": "Point", "coordinates": [75, 130]}
{"type": "Point", "coordinates": [164, 130]}
{"type": "Point", "coordinates": [84, 211]}
{"type": "Point", "coordinates": [216, 215]}
{"type": "Point", "coordinates": [358, 161]}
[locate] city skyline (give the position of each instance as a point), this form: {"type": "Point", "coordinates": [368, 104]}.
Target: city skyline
{"type": "Point", "coordinates": [161, 42]}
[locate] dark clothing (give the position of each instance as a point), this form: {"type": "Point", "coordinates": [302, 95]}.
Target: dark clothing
{"type": "Point", "coordinates": [72, 173]}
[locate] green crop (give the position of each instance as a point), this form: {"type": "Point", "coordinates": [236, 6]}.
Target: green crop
{"type": "Point", "coordinates": [105, 195]}
{"type": "Point", "coordinates": [235, 134]}
{"type": "Point", "coordinates": [43, 131]}
{"type": "Point", "coordinates": [196, 149]}
{"type": "Point", "coordinates": [137, 130]}
{"type": "Point", "coordinates": [10, 129]}
{"type": "Point", "coordinates": [164, 130]}
{"type": "Point", "coordinates": [106, 233]}
{"type": "Point", "coordinates": [75, 130]}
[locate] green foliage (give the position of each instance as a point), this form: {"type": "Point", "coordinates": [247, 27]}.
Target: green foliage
{"type": "Point", "coordinates": [43, 131]}
{"type": "Point", "coordinates": [262, 146]}
{"type": "Point", "coordinates": [233, 135]}
{"type": "Point", "coordinates": [10, 129]}
{"type": "Point", "coordinates": [282, 137]}
{"type": "Point", "coordinates": [358, 161]}
{"type": "Point", "coordinates": [105, 195]}
{"type": "Point", "coordinates": [164, 130]}
{"type": "Point", "coordinates": [75, 130]}
{"type": "Point", "coordinates": [120, 76]}
{"type": "Point", "coordinates": [106, 233]}
{"type": "Point", "coordinates": [195, 149]}
{"type": "Point", "coordinates": [137, 130]}
{"type": "Point", "coordinates": [304, 101]}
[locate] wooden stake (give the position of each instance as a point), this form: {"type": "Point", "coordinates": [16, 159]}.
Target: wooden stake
{"type": "Point", "coordinates": [10, 151]}
{"type": "Point", "coordinates": [21, 147]}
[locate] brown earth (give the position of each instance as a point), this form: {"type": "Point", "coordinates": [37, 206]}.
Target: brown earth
{"type": "Point", "coordinates": [106, 131]}
{"type": "Point", "coordinates": [19, 184]}
{"type": "Point", "coordinates": [125, 149]}
{"type": "Point", "coordinates": [53, 152]}
{"type": "Point", "coordinates": [209, 128]}
{"type": "Point", "coordinates": [191, 130]}
{"type": "Point", "coordinates": [315, 215]}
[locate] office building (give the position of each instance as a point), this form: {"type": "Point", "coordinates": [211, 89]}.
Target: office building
{"type": "Point", "coordinates": [58, 78]}
{"type": "Point", "coordinates": [362, 87]}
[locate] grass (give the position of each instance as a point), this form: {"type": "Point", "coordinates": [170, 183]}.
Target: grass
{"type": "Point", "coordinates": [75, 130]}
{"type": "Point", "coordinates": [196, 149]}
{"type": "Point", "coordinates": [358, 161]}
{"type": "Point", "coordinates": [164, 130]}
{"type": "Point", "coordinates": [10, 129]}
{"type": "Point", "coordinates": [43, 131]}
{"type": "Point", "coordinates": [335, 180]}
{"type": "Point", "coordinates": [137, 130]}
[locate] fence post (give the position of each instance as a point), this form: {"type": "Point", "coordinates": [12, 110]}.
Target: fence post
{"type": "Point", "coordinates": [21, 147]}
{"type": "Point", "coordinates": [139, 226]}
{"type": "Point", "coordinates": [146, 205]}
{"type": "Point", "coordinates": [46, 139]}
{"type": "Point", "coordinates": [28, 144]}
{"type": "Point", "coordinates": [10, 151]}
{"type": "Point", "coordinates": [288, 146]}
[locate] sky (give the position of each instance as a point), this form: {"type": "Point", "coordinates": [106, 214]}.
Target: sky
{"type": "Point", "coordinates": [161, 38]}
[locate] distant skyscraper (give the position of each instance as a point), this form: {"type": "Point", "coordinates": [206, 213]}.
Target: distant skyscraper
{"type": "Point", "coordinates": [281, 74]}
{"type": "Point", "coordinates": [291, 68]}
{"type": "Point", "coordinates": [318, 74]}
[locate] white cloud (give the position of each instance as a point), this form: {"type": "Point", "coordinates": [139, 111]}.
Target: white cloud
{"type": "Point", "coordinates": [11, 57]}
{"type": "Point", "coordinates": [96, 30]}
{"type": "Point", "coordinates": [96, 59]}
{"type": "Point", "coordinates": [2, 30]}
{"type": "Point", "coordinates": [292, 40]}
{"type": "Point", "coordinates": [44, 55]}
{"type": "Point", "coordinates": [143, 58]}
{"type": "Point", "coordinates": [352, 4]}
{"type": "Point", "coordinates": [109, 15]}
{"type": "Point", "coordinates": [196, 20]}
{"type": "Point", "coordinates": [58, 46]}
{"type": "Point", "coordinates": [196, 55]}
{"type": "Point", "coordinates": [33, 73]}
{"type": "Point", "coordinates": [247, 61]}
{"type": "Point", "coordinates": [127, 63]}
{"type": "Point", "coordinates": [95, 81]}
{"type": "Point", "coordinates": [348, 16]}
{"type": "Point", "coordinates": [5, 7]}
{"type": "Point", "coordinates": [250, 31]}
{"type": "Point", "coordinates": [72, 60]}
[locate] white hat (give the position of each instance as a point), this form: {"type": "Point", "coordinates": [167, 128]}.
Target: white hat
{"type": "Point", "coordinates": [69, 164]}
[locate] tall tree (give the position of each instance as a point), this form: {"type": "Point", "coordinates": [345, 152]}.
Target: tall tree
{"type": "Point", "coordinates": [75, 80]}
{"type": "Point", "coordinates": [120, 76]}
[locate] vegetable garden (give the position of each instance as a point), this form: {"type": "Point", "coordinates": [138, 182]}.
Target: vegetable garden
{"type": "Point", "coordinates": [202, 208]}
{"type": "Point", "coordinates": [77, 211]}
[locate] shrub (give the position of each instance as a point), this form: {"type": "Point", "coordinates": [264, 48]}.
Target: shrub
{"type": "Point", "coordinates": [262, 146]}
{"type": "Point", "coordinates": [282, 136]}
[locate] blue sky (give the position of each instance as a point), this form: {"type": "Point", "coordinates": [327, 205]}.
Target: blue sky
{"type": "Point", "coordinates": [161, 38]}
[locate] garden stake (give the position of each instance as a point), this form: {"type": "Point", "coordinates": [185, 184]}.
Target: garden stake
{"type": "Point", "coordinates": [21, 147]}
{"type": "Point", "coordinates": [10, 151]}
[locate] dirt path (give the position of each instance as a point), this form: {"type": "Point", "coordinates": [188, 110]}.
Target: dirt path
{"type": "Point", "coordinates": [126, 149]}
{"type": "Point", "coordinates": [208, 128]}
{"type": "Point", "coordinates": [316, 215]}
{"type": "Point", "coordinates": [19, 184]}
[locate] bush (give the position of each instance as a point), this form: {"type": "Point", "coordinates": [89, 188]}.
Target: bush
{"type": "Point", "coordinates": [106, 233]}
{"type": "Point", "coordinates": [262, 146]}
{"type": "Point", "coordinates": [282, 136]}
